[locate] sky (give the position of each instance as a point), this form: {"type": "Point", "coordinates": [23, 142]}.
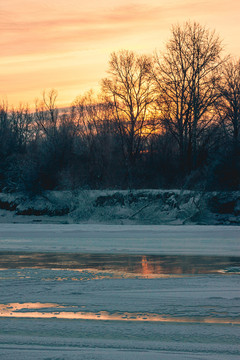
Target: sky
{"type": "Point", "coordinates": [66, 44]}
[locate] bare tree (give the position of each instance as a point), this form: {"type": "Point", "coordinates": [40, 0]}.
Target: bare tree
{"type": "Point", "coordinates": [130, 88]}
{"type": "Point", "coordinates": [230, 104]}
{"type": "Point", "coordinates": [21, 121]}
{"type": "Point", "coordinates": [46, 112]}
{"type": "Point", "coordinates": [84, 112]}
{"type": "Point", "coordinates": [94, 117]}
{"type": "Point", "coordinates": [5, 130]}
{"type": "Point", "coordinates": [186, 77]}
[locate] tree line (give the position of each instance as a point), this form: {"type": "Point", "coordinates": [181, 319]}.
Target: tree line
{"type": "Point", "coordinates": [162, 121]}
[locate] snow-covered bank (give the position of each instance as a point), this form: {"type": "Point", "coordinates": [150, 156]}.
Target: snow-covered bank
{"type": "Point", "coordinates": [123, 207]}
{"type": "Point", "coordinates": [125, 239]}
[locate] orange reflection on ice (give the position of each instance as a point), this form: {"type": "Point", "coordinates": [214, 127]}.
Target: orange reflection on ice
{"type": "Point", "coordinates": [17, 306]}
{"type": "Point", "coordinates": [152, 270]}
{"type": "Point", "coordinates": [147, 269]}
{"type": "Point", "coordinates": [139, 272]}
{"type": "Point", "coordinates": [12, 310]}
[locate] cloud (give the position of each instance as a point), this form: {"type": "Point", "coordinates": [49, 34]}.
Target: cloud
{"type": "Point", "coordinates": [53, 32]}
{"type": "Point", "coordinates": [117, 16]}
{"type": "Point", "coordinates": [30, 26]}
{"type": "Point", "coordinates": [46, 43]}
{"type": "Point", "coordinates": [59, 28]}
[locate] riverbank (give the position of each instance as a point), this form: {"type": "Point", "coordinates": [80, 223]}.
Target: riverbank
{"type": "Point", "coordinates": [153, 207]}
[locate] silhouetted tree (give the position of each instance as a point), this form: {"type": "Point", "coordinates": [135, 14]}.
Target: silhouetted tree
{"type": "Point", "coordinates": [186, 77]}
{"type": "Point", "coordinates": [130, 88]}
{"type": "Point", "coordinates": [22, 126]}
{"type": "Point", "coordinates": [230, 105]}
{"type": "Point", "coordinates": [94, 117]}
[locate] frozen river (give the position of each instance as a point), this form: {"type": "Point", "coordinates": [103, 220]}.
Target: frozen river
{"type": "Point", "coordinates": [119, 292]}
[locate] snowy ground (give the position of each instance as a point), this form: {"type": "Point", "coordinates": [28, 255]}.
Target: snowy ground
{"type": "Point", "coordinates": [159, 207]}
{"type": "Point", "coordinates": [115, 295]}
{"type": "Point", "coordinates": [126, 239]}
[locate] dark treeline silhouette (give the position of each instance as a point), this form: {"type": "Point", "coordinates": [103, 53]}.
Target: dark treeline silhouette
{"type": "Point", "coordinates": [165, 121]}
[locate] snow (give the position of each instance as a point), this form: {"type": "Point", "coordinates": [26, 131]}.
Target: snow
{"type": "Point", "coordinates": [122, 207]}
{"type": "Point", "coordinates": [200, 312]}
{"type": "Point", "coordinates": [126, 239]}
{"type": "Point", "coordinates": [95, 343]}
{"type": "Point", "coordinates": [214, 298]}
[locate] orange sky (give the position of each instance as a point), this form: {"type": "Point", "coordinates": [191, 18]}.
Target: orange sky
{"type": "Point", "coordinates": [65, 44]}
